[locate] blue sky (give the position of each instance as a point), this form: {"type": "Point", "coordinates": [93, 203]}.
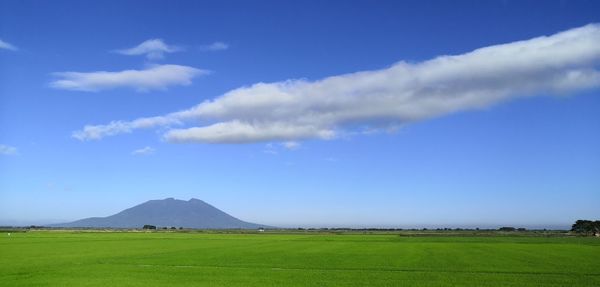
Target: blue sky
{"type": "Point", "coordinates": [258, 108]}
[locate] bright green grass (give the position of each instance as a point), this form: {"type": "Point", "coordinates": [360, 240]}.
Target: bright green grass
{"type": "Point", "coordinates": [194, 259]}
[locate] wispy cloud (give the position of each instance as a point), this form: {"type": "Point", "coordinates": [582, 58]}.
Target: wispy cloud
{"type": "Point", "coordinates": [7, 46]}
{"type": "Point", "coordinates": [216, 46]}
{"type": "Point", "coordinates": [144, 151]}
{"type": "Point", "coordinates": [96, 132]}
{"type": "Point", "coordinates": [153, 49]}
{"type": "Point", "coordinates": [291, 145]}
{"type": "Point", "coordinates": [274, 148]}
{"type": "Point", "coordinates": [8, 150]}
{"type": "Point", "coordinates": [384, 99]}
{"type": "Point", "coordinates": [157, 77]}
{"type": "Point", "coordinates": [270, 149]}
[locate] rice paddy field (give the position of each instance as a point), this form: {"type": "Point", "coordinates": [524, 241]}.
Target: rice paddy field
{"type": "Point", "coordinates": [204, 259]}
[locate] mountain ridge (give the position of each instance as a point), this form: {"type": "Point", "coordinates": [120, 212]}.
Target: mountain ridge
{"type": "Point", "coordinates": [168, 212]}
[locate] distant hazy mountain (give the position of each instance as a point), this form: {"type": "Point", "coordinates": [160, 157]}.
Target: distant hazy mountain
{"type": "Point", "coordinates": [168, 212]}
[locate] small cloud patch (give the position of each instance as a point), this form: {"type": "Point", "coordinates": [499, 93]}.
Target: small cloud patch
{"type": "Point", "coordinates": [216, 46]}
{"type": "Point", "coordinates": [157, 77]}
{"type": "Point", "coordinates": [144, 151]}
{"type": "Point", "coordinates": [7, 46]}
{"type": "Point", "coordinates": [8, 150]}
{"type": "Point", "coordinates": [154, 49]}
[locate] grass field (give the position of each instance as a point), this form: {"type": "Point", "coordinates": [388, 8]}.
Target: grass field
{"type": "Point", "coordinates": [196, 259]}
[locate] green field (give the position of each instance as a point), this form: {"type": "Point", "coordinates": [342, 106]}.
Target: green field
{"type": "Point", "coordinates": [200, 259]}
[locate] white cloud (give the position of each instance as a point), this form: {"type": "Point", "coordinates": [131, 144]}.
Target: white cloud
{"type": "Point", "coordinates": [384, 99]}
{"type": "Point", "coordinates": [153, 49]}
{"type": "Point", "coordinates": [8, 150]}
{"type": "Point", "coordinates": [95, 132]}
{"type": "Point", "coordinates": [7, 46]}
{"type": "Point", "coordinates": [291, 145]}
{"type": "Point", "coordinates": [243, 132]}
{"type": "Point", "coordinates": [153, 78]}
{"type": "Point", "coordinates": [216, 46]}
{"type": "Point", "coordinates": [144, 151]}
{"type": "Point", "coordinates": [270, 149]}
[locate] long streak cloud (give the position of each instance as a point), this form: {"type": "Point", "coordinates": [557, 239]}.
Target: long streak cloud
{"type": "Point", "coordinates": [294, 110]}
{"type": "Point", "coordinates": [157, 77]}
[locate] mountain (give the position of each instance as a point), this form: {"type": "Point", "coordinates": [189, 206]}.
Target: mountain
{"type": "Point", "coordinates": [169, 212]}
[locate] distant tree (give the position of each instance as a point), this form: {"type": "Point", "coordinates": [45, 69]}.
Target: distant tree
{"type": "Point", "coordinates": [582, 226]}
{"type": "Point", "coordinates": [521, 229]}
{"type": "Point", "coordinates": [507, 228]}
{"type": "Point", "coordinates": [173, 227]}
{"type": "Point", "coordinates": [147, 226]}
{"type": "Point", "coordinates": [180, 228]}
{"type": "Point", "coordinates": [586, 227]}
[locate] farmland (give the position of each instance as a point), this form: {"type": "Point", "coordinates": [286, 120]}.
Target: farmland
{"type": "Point", "coordinates": [72, 258]}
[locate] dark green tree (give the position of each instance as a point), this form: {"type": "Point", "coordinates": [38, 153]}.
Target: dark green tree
{"type": "Point", "coordinates": [586, 227]}
{"type": "Point", "coordinates": [507, 228]}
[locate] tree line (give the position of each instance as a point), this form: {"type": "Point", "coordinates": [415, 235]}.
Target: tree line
{"type": "Point", "coordinates": [586, 227]}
